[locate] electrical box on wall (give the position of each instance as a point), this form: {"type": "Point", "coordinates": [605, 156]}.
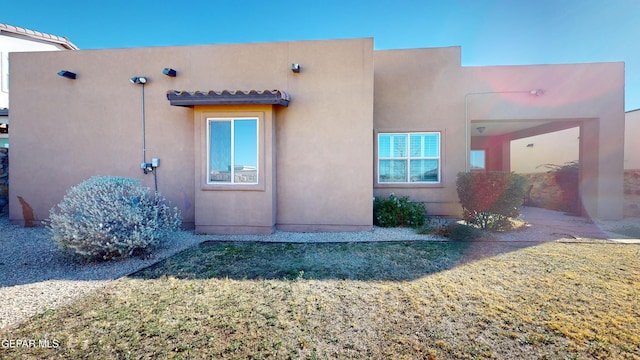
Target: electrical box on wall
{"type": "Point", "coordinates": [155, 162]}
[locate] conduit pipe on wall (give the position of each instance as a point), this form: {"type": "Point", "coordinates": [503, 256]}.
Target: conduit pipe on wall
{"type": "Point", "coordinates": [144, 165]}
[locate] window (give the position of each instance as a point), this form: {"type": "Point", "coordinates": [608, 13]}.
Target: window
{"type": "Point", "coordinates": [477, 159]}
{"type": "Point", "coordinates": [409, 157]}
{"type": "Point", "coordinates": [232, 154]}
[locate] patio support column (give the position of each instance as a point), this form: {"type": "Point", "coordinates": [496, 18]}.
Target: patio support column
{"type": "Point", "coordinates": [601, 167]}
{"type": "Point", "coordinates": [506, 153]}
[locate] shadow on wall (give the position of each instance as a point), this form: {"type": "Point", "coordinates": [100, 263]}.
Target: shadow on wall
{"type": "Point", "coordinates": [27, 213]}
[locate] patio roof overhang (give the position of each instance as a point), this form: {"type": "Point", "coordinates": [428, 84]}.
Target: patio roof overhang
{"type": "Point", "coordinates": [227, 97]}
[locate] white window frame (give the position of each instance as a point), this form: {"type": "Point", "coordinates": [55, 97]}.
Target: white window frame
{"type": "Point", "coordinates": [408, 158]}
{"type": "Point", "coordinates": [232, 145]}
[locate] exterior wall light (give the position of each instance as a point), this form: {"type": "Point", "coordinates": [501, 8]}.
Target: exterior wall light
{"type": "Point", "coordinates": [295, 68]}
{"type": "Point", "coordinates": [480, 129]}
{"type": "Point", "coordinates": [68, 74]}
{"type": "Point", "coordinates": [169, 72]}
{"type": "Point", "coordinates": [138, 80]}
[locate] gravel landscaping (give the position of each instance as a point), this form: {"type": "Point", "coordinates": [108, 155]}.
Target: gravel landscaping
{"type": "Point", "coordinates": [35, 277]}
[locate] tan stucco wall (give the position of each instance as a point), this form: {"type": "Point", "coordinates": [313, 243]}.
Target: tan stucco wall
{"type": "Point", "coordinates": [428, 90]}
{"type": "Point", "coordinates": [631, 143]}
{"type": "Point", "coordinates": [64, 131]}
{"type": "Point", "coordinates": [531, 154]}
{"type": "Point", "coordinates": [419, 90]}
{"type": "Point", "coordinates": [236, 208]}
{"type": "Point", "coordinates": [68, 130]}
{"type": "Point", "coordinates": [570, 96]}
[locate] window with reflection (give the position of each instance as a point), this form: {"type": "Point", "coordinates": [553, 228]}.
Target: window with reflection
{"type": "Point", "coordinates": [232, 156]}
{"type": "Point", "coordinates": [409, 157]}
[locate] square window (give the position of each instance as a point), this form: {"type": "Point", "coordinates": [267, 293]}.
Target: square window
{"type": "Point", "coordinates": [409, 157]}
{"type": "Point", "coordinates": [478, 159]}
{"type": "Point", "coordinates": [232, 156]}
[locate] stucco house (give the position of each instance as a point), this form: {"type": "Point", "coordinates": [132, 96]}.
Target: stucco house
{"type": "Point", "coordinates": [299, 136]}
{"type": "Point", "coordinates": [13, 39]}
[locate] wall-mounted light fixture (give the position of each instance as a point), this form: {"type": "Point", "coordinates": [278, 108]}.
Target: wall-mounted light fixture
{"type": "Point", "coordinates": [68, 74]}
{"type": "Point", "coordinates": [169, 72]}
{"type": "Point", "coordinates": [530, 145]}
{"type": "Point", "coordinates": [481, 129]}
{"type": "Point", "coordinates": [295, 68]}
{"type": "Point", "coordinates": [138, 80]}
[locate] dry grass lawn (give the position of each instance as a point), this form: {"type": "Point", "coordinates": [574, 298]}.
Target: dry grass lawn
{"type": "Point", "coordinates": [401, 300]}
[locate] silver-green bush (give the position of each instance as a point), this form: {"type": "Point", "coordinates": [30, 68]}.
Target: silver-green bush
{"type": "Point", "coordinates": [109, 217]}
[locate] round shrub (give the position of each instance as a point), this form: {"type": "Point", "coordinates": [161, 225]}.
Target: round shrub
{"type": "Point", "coordinates": [394, 211]}
{"type": "Point", "coordinates": [488, 199]}
{"type": "Point", "coordinates": [109, 217]}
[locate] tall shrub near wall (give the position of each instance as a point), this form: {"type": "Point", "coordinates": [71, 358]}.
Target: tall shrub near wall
{"type": "Point", "coordinates": [567, 176]}
{"type": "Point", "coordinates": [488, 199]}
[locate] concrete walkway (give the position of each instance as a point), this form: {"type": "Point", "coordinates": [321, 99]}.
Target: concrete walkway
{"type": "Point", "coordinates": [578, 227]}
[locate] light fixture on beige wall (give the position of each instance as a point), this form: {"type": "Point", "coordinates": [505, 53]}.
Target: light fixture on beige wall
{"type": "Point", "coordinates": [68, 74]}
{"type": "Point", "coordinates": [139, 80]}
{"type": "Point", "coordinates": [169, 72]}
{"type": "Point", "coordinates": [296, 68]}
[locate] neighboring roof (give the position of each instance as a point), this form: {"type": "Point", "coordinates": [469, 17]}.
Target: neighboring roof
{"type": "Point", "coordinates": [226, 97]}
{"type": "Point", "coordinates": [62, 41]}
{"type": "Point", "coordinates": [4, 112]}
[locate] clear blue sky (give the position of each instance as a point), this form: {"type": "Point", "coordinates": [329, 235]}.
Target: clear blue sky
{"type": "Point", "coordinates": [491, 32]}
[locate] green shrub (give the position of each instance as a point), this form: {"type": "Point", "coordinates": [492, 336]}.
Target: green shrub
{"type": "Point", "coordinates": [463, 232]}
{"type": "Point", "coordinates": [110, 217]}
{"type": "Point", "coordinates": [395, 212]}
{"type": "Point", "coordinates": [489, 198]}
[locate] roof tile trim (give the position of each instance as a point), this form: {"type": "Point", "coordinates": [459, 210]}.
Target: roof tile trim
{"type": "Point", "coordinates": [38, 35]}
{"type": "Point", "coordinates": [228, 97]}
